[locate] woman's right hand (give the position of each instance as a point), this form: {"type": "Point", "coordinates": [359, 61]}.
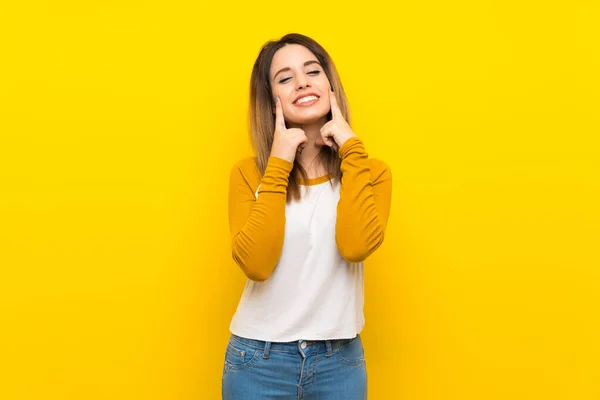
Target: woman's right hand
{"type": "Point", "coordinates": [285, 141]}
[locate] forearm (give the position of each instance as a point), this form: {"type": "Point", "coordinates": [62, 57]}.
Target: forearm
{"type": "Point", "coordinates": [364, 204]}
{"type": "Point", "coordinates": [257, 229]}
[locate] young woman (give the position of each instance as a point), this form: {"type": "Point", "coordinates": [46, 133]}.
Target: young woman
{"type": "Point", "coordinates": [304, 214]}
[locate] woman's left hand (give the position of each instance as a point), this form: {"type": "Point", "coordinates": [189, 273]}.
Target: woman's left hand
{"type": "Point", "coordinates": [335, 132]}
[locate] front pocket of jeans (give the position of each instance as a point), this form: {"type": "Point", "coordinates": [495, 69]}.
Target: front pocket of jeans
{"type": "Point", "coordinates": [351, 353]}
{"type": "Point", "coordinates": [239, 356]}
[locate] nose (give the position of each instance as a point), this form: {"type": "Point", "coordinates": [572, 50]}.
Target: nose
{"type": "Point", "coordinates": [303, 82]}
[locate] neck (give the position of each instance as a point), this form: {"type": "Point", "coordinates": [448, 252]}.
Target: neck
{"type": "Point", "coordinates": [311, 149]}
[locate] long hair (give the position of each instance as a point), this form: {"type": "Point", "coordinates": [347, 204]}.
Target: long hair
{"type": "Point", "coordinates": [262, 119]}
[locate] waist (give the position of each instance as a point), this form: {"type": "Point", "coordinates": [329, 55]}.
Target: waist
{"type": "Point", "coordinates": [318, 346]}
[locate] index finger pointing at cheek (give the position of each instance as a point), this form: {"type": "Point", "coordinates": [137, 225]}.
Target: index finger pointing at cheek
{"type": "Point", "coordinates": [335, 110]}
{"type": "Point", "coordinates": [279, 120]}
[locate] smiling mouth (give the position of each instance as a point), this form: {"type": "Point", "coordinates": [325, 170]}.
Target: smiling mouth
{"type": "Point", "coordinates": [306, 100]}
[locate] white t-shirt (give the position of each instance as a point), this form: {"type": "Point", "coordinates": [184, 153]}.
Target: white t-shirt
{"type": "Point", "coordinates": [313, 293]}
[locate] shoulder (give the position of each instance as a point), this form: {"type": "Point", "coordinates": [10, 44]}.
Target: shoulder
{"type": "Point", "coordinates": [379, 169]}
{"type": "Point", "coordinates": [246, 164]}
{"type": "Point", "coordinates": [246, 170]}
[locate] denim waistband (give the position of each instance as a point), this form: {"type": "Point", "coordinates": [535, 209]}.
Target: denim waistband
{"type": "Point", "coordinates": [318, 346]}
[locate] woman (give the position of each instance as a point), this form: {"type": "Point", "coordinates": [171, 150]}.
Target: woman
{"type": "Point", "coordinates": [304, 214]}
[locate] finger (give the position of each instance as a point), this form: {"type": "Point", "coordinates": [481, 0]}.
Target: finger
{"type": "Point", "coordinates": [297, 135]}
{"type": "Point", "coordinates": [327, 134]}
{"type": "Point", "coordinates": [303, 140]}
{"type": "Point", "coordinates": [327, 139]}
{"type": "Point", "coordinates": [279, 119]}
{"type": "Point", "coordinates": [335, 110]}
{"type": "Point", "coordinates": [332, 145]}
{"type": "Point", "coordinates": [324, 142]}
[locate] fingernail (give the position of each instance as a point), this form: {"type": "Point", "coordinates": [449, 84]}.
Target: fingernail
{"type": "Point", "coordinates": [276, 99]}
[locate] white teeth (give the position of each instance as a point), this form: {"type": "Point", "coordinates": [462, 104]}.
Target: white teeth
{"type": "Point", "coordinates": [307, 98]}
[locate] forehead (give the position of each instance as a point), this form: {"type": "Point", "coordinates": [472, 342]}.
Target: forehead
{"type": "Point", "coordinates": [291, 55]}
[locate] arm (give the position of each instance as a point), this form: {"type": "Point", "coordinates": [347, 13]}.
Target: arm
{"type": "Point", "coordinates": [364, 206]}
{"type": "Point", "coordinates": [257, 225]}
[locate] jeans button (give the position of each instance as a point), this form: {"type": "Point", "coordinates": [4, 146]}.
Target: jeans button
{"type": "Point", "coordinates": [303, 345]}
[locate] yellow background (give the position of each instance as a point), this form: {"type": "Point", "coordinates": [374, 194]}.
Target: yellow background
{"type": "Point", "coordinates": [120, 121]}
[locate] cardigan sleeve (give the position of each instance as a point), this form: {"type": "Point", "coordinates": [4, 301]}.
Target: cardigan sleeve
{"type": "Point", "coordinates": [257, 225]}
{"type": "Point", "coordinates": [364, 205]}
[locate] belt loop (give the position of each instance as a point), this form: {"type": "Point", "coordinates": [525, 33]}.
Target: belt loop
{"type": "Point", "coordinates": [329, 352]}
{"type": "Point", "coordinates": [267, 349]}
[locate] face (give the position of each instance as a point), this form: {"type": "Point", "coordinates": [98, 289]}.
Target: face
{"type": "Point", "coordinates": [301, 84]}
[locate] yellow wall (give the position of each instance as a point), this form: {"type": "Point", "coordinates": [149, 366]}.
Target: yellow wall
{"type": "Point", "coordinates": [119, 122]}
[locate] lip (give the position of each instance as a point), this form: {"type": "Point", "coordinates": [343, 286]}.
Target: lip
{"type": "Point", "coordinates": [305, 95]}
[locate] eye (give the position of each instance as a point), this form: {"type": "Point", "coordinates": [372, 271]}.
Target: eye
{"type": "Point", "coordinates": [313, 72]}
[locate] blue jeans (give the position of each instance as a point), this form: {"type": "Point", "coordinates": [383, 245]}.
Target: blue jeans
{"type": "Point", "coordinates": [302, 369]}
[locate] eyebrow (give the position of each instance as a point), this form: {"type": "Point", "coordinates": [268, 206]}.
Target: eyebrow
{"type": "Point", "coordinates": [305, 64]}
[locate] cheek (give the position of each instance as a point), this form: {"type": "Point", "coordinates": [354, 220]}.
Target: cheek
{"type": "Point", "coordinates": [276, 93]}
{"type": "Point", "coordinates": [325, 81]}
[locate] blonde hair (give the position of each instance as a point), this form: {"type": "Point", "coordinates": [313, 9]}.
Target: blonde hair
{"type": "Point", "coordinates": [261, 106]}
